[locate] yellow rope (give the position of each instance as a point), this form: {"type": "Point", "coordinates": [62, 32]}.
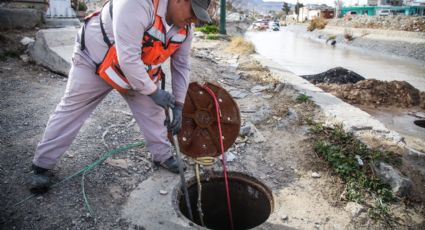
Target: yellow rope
{"type": "Point", "coordinates": [204, 161]}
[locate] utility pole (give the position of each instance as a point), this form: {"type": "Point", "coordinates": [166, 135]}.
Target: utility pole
{"type": "Point", "coordinates": [222, 16]}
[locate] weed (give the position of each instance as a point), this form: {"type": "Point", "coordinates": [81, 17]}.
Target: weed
{"type": "Point", "coordinates": [213, 36]}
{"type": "Point", "coordinates": [302, 98]}
{"type": "Point", "coordinates": [208, 29]}
{"type": "Point", "coordinates": [6, 54]}
{"type": "Point", "coordinates": [240, 46]}
{"type": "Point", "coordinates": [348, 34]}
{"type": "Point", "coordinates": [342, 151]}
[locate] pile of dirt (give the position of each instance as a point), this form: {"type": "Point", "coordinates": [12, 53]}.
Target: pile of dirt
{"type": "Point", "coordinates": [399, 22]}
{"type": "Point", "coordinates": [378, 93]}
{"type": "Point", "coordinates": [336, 75]}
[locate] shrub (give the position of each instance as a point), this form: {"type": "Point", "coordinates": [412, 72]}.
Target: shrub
{"type": "Point", "coordinates": [240, 46]}
{"type": "Point", "coordinates": [208, 29]}
{"type": "Point", "coordinates": [317, 23]}
{"type": "Point", "coordinates": [82, 6]}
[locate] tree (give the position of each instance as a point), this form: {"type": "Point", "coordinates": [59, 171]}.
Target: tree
{"type": "Point", "coordinates": [298, 6]}
{"type": "Point", "coordinates": [286, 8]}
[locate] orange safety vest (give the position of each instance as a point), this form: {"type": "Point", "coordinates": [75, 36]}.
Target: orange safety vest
{"type": "Point", "coordinates": [155, 51]}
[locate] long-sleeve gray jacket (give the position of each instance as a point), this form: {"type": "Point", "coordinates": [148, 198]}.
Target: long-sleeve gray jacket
{"type": "Point", "coordinates": [131, 18]}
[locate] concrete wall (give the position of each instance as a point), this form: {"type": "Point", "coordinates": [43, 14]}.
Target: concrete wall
{"type": "Point", "coordinates": [15, 18]}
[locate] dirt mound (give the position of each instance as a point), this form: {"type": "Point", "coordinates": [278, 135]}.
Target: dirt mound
{"type": "Point", "coordinates": [399, 22]}
{"type": "Point", "coordinates": [336, 75]}
{"type": "Point", "coordinates": [378, 93]}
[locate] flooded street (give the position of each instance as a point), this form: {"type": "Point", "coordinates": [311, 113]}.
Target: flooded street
{"type": "Point", "coordinates": [303, 56]}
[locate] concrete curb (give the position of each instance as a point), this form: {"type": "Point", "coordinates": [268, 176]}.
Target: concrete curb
{"type": "Point", "coordinates": [53, 49]}
{"type": "Point", "coordinates": [382, 34]}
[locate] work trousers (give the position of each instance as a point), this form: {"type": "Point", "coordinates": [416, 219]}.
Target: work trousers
{"type": "Point", "coordinates": [84, 91]}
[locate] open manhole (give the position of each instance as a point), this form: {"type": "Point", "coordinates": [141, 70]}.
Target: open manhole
{"type": "Point", "coordinates": [251, 201]}
{"type": "Point", "coordinates": [420, 123]}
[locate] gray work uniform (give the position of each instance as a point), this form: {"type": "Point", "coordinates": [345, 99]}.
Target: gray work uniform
{"type": "Point", "coordinates": [85, 90]}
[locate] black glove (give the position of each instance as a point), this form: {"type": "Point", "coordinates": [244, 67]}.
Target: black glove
{"type": "Point", "coordinates": [163, 99]}
{"type": "Point", "coordinates": [176, 124]}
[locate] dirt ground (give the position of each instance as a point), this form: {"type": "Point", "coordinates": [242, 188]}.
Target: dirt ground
{"type": "Point", "coordinates": [280, 151]}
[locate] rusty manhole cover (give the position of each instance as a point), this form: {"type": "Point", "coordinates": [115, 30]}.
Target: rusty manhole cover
{"type": "Point", "coordinates": [199, 136]}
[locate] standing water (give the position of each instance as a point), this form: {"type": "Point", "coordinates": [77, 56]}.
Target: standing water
{"type": "Point", "coordinates": [303, 56]}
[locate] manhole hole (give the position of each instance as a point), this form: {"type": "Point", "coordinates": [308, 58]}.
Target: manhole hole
{"type": "Point", "coordinates": [420, 123]}
{"type": "Point", "coordinates": [251, 200]}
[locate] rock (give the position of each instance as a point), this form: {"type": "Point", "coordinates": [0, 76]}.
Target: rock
{"type": "Point", "coordinates": [120, 163]}
{"type": "Point", "coordinates": [238, 94]}
{"type": "Point", "coordinates": [24, 57]}
{"type": "Point", "coordinates": [280, 168]}
{"type": "Point", "coordinates": [354, 209]}
{"type": "Point", "coordinates": [359, 160]}
{"type": "Point", "coordinates": [53, 49]}
{"type": "Point", "coordinates": [400, 184]}
{"type": "Point", "coordinates": [278, 87]}
{"type": "Point", "coordinates": [284, 217]}
{"type": "Point", "coordinates": [116, 192]}
{"type": "Point", "coordinates": [163, 192]}
{"type": "Point", "coordinates": [267, 96]}
{"type": "Point", "coordinates": [292, 115]}
{"type": "Point", "coordinates": [315, 175]}
{"type": "Point", "coordinates": [258, 137]}
{"type": "Point", "coordinates": [198, 34]}
{"type": "Point", "coordinates": [261, 115]}
{"type": "Point", "coordinates": [26, 41]}
{"type": "Point", "coordinates": [229, 157]}
{"type": "Point", "coordinates": [259, 88]}
{"type": "Point", "coordinates": [246, 129]}
{"type": "Point", "coordinates": [14, 18]}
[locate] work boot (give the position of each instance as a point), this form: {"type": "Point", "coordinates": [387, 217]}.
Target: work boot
{"type": "Point", "coordinates": [170, 164]}
{"type": "Point", "coordinates": [40, 180]}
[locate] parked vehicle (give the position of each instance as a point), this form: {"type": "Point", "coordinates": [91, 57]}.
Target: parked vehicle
{"type": "Point", "coordinates": [384, 13]}
{"type": "Point", "coordinates": [275, 26]}
{"type": "Point", "coordinates": [261, 25]}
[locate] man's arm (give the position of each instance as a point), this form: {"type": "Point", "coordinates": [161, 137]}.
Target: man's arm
{"type": "Point", "coordinates": [131, 19]}
{"type": "Point", "coordinates": [180, 68]}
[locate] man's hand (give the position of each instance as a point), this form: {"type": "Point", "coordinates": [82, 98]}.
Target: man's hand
{"type": "Point", "coordinates": [163, 99]}
{"type": "Point", "coordinates": [176, 124]}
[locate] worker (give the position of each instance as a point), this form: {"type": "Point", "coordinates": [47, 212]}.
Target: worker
{"type": "Point", "coordinates": [122, 47]}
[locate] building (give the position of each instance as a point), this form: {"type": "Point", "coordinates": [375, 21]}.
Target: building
{"type": "Point", "coordinates": [418, 10]}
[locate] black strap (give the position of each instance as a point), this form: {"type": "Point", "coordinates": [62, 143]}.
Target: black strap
{"type": "Point", "coordinates": [162, 79]}
{"type": "Point", "coordinates": [102, 28]}
{"type": "Point", "coordinates": [83, 40]}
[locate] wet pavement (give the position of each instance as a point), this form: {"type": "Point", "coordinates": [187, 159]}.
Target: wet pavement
{"type": "Point", "coordinates": [303, 56]}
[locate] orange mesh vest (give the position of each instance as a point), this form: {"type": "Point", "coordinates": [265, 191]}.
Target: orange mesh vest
{"type": "Point", "coordinates": [155, 50]}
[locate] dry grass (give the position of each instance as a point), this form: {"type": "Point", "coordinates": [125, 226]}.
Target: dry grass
{"type": "Point", "coordinates": [239, 45]}
{"type": "Point", "coordinates": [317, 23]}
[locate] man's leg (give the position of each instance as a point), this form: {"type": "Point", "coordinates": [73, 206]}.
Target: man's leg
{"type": "Point", "coordinates": [150, 118]}
{"type": "Point", "coordinates": [83, 93]}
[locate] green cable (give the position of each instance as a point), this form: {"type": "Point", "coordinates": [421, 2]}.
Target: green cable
{"type": "Point", "coordinates": [85, 170]}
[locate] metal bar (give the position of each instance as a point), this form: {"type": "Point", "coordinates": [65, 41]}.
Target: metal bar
{"type": "Point", "coordinates": [222, 16]}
